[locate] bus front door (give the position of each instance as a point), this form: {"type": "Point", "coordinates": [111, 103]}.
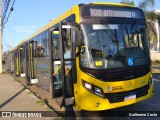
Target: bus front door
{"type": "Point", "coordinates": [63, 62]}
{"type": "Point", "coordinates": [56, 65]}
{"type": "Point", "coordinates": [68, 69]}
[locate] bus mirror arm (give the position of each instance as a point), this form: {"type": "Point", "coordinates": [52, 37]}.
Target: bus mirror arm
{"type": "Point", "coordinates": [78, 51]}
{"type": "Point", "coordinates": [78, 34]}
{"type": "Point", "coordinates": [78, 41]}
{"type": "Point", "coordinates": [78, 38]}
{"type": "Point", "coordinates": [76, 25]}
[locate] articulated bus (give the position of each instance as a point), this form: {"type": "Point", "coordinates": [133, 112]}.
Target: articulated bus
{"type": "Point", "coordinates": [106, 48]}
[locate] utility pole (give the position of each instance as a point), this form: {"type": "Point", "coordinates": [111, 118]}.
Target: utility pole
{"type": "Point", "coordinates": [0, 36]}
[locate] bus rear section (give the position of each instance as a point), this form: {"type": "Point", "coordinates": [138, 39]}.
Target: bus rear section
{"type": "Point", "coordinates": [113, 67]}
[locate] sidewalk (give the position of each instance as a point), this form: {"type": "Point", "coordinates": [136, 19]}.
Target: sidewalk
{"type": "Point", "coordinates": [14, 97]}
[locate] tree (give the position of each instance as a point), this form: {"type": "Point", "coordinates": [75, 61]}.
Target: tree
{"type": "Point", "coordinates": [128, 2]}
{"type": "Point", "coordinates": [146, 6]}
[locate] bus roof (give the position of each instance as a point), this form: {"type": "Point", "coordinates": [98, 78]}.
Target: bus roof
{"type": "Point", "coordinates": [111, 3]}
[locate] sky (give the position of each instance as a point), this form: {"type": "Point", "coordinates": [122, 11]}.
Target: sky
{"type": "Point", "coordinates": [30, 15]}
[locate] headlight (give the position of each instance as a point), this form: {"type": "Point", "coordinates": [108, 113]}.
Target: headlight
{"type": "Point", "coordinates": [88, 86]}
{"type": "Point", "coordinates": [98, 91]}
{"type": "Point", "coordinates": [150, 82]}
{"type": "Point", "coordinates": [92, 88]}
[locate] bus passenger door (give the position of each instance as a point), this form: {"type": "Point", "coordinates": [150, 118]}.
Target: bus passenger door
{"type": "Point", "coordinates": [63, 62]}
{"type": "Point", "coordinates": [17, 69]}
{"type": "Point", "coordinates": [22, 61]}
{"type": "Point", "coordinates": [27, 64]}
{"type": "Point", "coordinates": [32, 56]}
{"type": "Point", "coordinates": [56, 64]}
{"type": "Point", "coordinates": [68, 64]}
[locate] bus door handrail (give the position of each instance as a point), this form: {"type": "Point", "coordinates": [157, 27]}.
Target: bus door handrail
{"type": "Point", "coordinates": [68, 72]}
{"type": "Point", "coordinates": [56, 70]}
{"type": "Point", "coordinates": [59, 69]}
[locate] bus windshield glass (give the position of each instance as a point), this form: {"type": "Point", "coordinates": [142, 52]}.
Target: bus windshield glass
{"type": "Point", "coordinates": [108, 46]}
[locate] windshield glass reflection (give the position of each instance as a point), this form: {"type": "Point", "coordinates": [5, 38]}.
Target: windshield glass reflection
{"type": "Point", "coordinates": [110, 45]}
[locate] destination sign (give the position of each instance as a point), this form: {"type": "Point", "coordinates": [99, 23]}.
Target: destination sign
{"type": "Point", "coordinates": [108, 11]}
{"type": "Point", "coordinates": [111, 13]}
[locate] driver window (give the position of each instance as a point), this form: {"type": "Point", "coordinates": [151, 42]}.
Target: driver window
{"type": "Point", "coordinates": [95, 44]}
{"type": "Point", "coordinates": [67, 42]}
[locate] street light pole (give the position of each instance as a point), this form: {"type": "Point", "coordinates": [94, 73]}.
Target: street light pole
{"type": "Point", "coordinates": [0, 36]}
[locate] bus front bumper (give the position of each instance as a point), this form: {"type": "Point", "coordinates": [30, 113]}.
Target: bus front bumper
{"type": "Point", "coordinates": [91, 102]}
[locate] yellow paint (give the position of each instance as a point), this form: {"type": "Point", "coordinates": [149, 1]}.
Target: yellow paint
{"type": "Point", "coordinates": [68, 72]}
{"type": "Point", "coordinates": [111, 3]}
{"type": "Point", "coordinates": [126, 85]}
{"type": "Point", "coordinates": [31, 60]}
{"type": "Point", "coordinates": [98, 63]}
{"type": "Point", "coordinates": [55, 32]}
{"type": "Point", "coordinates": [56, 71]}
{"type": "Point", "coordinates": [17, 65]}
{"type": "Point", "coordinates": [87, 101]}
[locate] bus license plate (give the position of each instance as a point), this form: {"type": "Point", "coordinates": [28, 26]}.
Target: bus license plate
{"type": "Point", "coordinates": [130, 97]}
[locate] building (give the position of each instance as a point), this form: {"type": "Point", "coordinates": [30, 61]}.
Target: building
{"type": "Point", "coordinates": [155, 47]}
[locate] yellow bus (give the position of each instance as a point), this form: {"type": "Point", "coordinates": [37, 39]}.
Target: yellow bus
{"type": "Point", "coordinates": [95, 57]}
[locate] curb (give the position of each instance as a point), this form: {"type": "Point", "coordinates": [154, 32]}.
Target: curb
{"type": "Point", "coordinates": [45, 100]}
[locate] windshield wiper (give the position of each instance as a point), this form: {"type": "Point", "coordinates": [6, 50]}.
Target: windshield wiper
{"type": "Point", "coordinates": [128, 36]}
{"type": "Point", "coordinates": [133, 26]}
{"type": "Point", "coordinates": [106, 30]}
{"type": "Point", "coordinates": [110, 33]}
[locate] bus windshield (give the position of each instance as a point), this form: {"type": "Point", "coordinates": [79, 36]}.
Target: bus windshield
{"type": "Point", "coordinates": [112, 45]}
